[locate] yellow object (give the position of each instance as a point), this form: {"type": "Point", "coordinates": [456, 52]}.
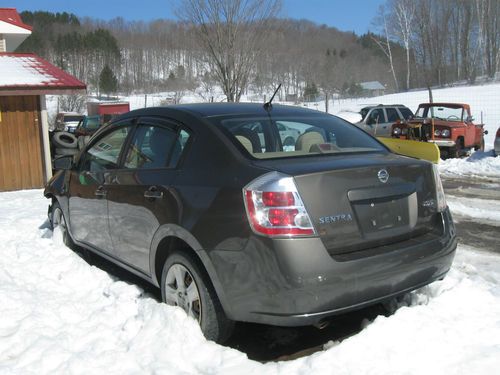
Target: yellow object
{"type": "Point", "coordinates": [415, 149]}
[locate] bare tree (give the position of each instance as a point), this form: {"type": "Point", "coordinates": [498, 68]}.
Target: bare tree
{"type": "Point", "coordinates": [72, 103]}
{"type": "Point", "coordinates": [385, 43]}
{"type": "Point", "coordinates": [488, 14]}
{"type": "Point", "coordinates": [232, 32]}
{"type": "Point", "coordinates": [403, 13]}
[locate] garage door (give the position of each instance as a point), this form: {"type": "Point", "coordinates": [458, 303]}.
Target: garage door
{"type": "Point", "coordinates": [20, 143]}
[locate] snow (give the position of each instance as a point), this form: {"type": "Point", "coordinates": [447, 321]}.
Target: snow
{"type": "Point", "coordinates": [15, 70]}
{"type": "Point", "coordinates": [478, 165]}
{"type": "Point", "coordinates": [61, 315]}
{"type": "Point", "coordinates": [479, 210]}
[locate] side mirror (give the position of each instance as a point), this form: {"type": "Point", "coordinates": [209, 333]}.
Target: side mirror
{"type": "Point", "coordinates": [63, 163]}
{"type": "Point", "coordinates": [469, 119]}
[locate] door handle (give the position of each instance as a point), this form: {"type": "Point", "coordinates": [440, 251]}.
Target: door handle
{"type": "Point", "coordinates": [100, 192]}
{"type": "Point", "coordinates": [153, 193]}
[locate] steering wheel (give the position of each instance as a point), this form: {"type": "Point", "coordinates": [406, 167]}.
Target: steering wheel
{"type": "Point", "coordinates": [453, 117]}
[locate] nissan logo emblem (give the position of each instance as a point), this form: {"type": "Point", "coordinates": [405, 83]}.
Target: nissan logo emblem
{"type": "Point", "coordinates": [383, 176]}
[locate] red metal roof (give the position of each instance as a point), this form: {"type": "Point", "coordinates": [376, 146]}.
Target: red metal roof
{"type": "Point", "coordinates": [26, 71]}
{"type": "Point", "coordinates": [11, 16]}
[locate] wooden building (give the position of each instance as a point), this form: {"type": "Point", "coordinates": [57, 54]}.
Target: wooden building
{"type": "Point", "coordinates": [25, 79]}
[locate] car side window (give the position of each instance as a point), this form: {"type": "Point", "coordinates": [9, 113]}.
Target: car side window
{"type": "Point", "coordinates": [406, 113]}
{"type": "Point", "coordinates": [376, 117]}
{"type": "Point", "coordinates": [392, 115]}
{"type": "Point", "coordinates": [105, 153]}
{"type": "Point", "coordinates": [178, 149]}
{"type": "Point", "coordinates": [153, 146]}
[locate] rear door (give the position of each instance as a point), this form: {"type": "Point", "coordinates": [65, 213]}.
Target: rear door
{"type": "Point", "coordinates": [140, 195]}
{"type": "Point", "coordinates": [88, 188]}
{"type": "Point", "coordinates": [375, 121]}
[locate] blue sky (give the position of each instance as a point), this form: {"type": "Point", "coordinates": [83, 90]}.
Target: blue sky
{"type": "Point", "coordinates": [346, 15]}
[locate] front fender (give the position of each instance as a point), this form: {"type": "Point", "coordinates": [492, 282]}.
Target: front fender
{"type": "Point", "coordinates": [173, 230]}
{"type": "Point", "coordinates": [57, 188]}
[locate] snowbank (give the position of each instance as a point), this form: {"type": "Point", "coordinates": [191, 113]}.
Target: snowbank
{"type": "Point", "coordinates": [61, 315]}
{"type": "Point", "coordinates": [479, 164]}
{"type": "Point", "coordinates": [480, 210]}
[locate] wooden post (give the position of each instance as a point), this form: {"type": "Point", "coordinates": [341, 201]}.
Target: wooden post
{"type": "Point", "coordinates": [47, 161]}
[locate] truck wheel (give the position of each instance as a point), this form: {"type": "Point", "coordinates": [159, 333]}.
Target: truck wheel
{"type": "Point", "coordinates": [456, 152]}
{"type": "Point", "coordinates": [481, 145]}
{"type": "Point", "coordinates": [184, 284]}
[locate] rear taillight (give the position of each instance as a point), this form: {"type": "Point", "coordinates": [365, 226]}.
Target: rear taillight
{"type": "Point", "coordinates": [498, 133]}
{"type": "Point", "coordinates": [274, 207]}
{"type": "Point", "coordinates": [440, 197]}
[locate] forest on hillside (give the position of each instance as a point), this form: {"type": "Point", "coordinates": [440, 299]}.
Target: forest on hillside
{"type": "Point", "coordinates": [417, 43]}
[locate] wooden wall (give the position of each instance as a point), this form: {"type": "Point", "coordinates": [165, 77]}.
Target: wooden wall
{"type": "Point", "coordinates": [20, 143]}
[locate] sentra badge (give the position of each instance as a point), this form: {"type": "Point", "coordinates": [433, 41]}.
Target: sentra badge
{"type": "Point", "coordinates": [335, 219]}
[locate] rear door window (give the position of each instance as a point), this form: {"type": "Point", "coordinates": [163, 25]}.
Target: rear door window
{"type": "Point", "coordinates": [376, 116]}
{"type": "Point", "coordinates": [406, 113]}
{"type": "Point", "coordinates": [392, 115]}
{"type": "Point", "coordinates": [155, 146]}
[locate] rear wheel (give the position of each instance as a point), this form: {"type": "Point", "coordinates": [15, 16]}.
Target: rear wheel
{"type": "Point", "coordinates": [184, 284]}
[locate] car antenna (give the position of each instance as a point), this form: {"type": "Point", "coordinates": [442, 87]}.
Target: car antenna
{"type": "Point", "coordinates": [268, 105]}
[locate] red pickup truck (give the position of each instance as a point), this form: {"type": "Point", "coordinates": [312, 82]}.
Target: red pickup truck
{"type": "Point", "coordinates": [449, 125]}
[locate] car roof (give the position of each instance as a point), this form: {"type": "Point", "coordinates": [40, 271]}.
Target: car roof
{"type": "Point", "coordinates": [384, 106]}
{"type": "Point", "coordinates": [224, 109]}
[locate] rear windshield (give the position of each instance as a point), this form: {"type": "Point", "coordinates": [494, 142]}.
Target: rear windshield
{"type": "Point", "coordinates": [277, 137]}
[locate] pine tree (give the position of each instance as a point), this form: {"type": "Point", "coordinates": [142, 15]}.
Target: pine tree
{"type": "Point", "coordinates": [107, 80]}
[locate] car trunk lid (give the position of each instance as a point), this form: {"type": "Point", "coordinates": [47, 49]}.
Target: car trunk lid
{"type": "Point", "coordinates": [357, 203]}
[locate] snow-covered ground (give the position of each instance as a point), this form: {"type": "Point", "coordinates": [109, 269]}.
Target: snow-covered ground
{"type": "Point", "coordinates": [60, 315]}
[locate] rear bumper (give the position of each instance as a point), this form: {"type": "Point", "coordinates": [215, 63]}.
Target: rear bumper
{"type": "Point", "coordinates": [296, 282]}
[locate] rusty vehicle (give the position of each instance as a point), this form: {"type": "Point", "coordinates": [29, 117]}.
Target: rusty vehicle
{"type": "Point", "coordinates": [449, 126]}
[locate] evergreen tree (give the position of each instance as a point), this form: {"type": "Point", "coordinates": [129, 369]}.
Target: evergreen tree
{"type": "Point", "coordinates": [107, 81]}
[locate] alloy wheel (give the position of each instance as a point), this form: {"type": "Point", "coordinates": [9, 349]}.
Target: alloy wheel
{"type": "Point", "coordinates": [181, 290]}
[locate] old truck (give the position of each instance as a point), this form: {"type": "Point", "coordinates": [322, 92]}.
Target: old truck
{"type": "Point", "coordinates": [449, 126]}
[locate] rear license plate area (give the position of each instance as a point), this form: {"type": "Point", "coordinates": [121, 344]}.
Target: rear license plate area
{"type": "Point", "coordinates": [375, 215]}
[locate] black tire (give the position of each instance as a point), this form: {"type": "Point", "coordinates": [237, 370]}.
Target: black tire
{"type": "Point", "coordinates": [456, 152]}
{"type": "Point", "coordinates": [206, 308]}
{"type": "Point", "coordinates": [66, 151]}
{"type": "Point", "coordinates": [64, 140]}
{"type": "Point", "coordinates": [57, 219]}
{"type": "Point", "coordinates": [481, 146]}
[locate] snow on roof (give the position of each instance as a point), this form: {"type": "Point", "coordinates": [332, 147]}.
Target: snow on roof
{"type": "Point", "coordinates": [11, 16]}
{"type": "Point", "coordinates": [29, 71]}
{"type": "Point", "coordinates": [372, 85]}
